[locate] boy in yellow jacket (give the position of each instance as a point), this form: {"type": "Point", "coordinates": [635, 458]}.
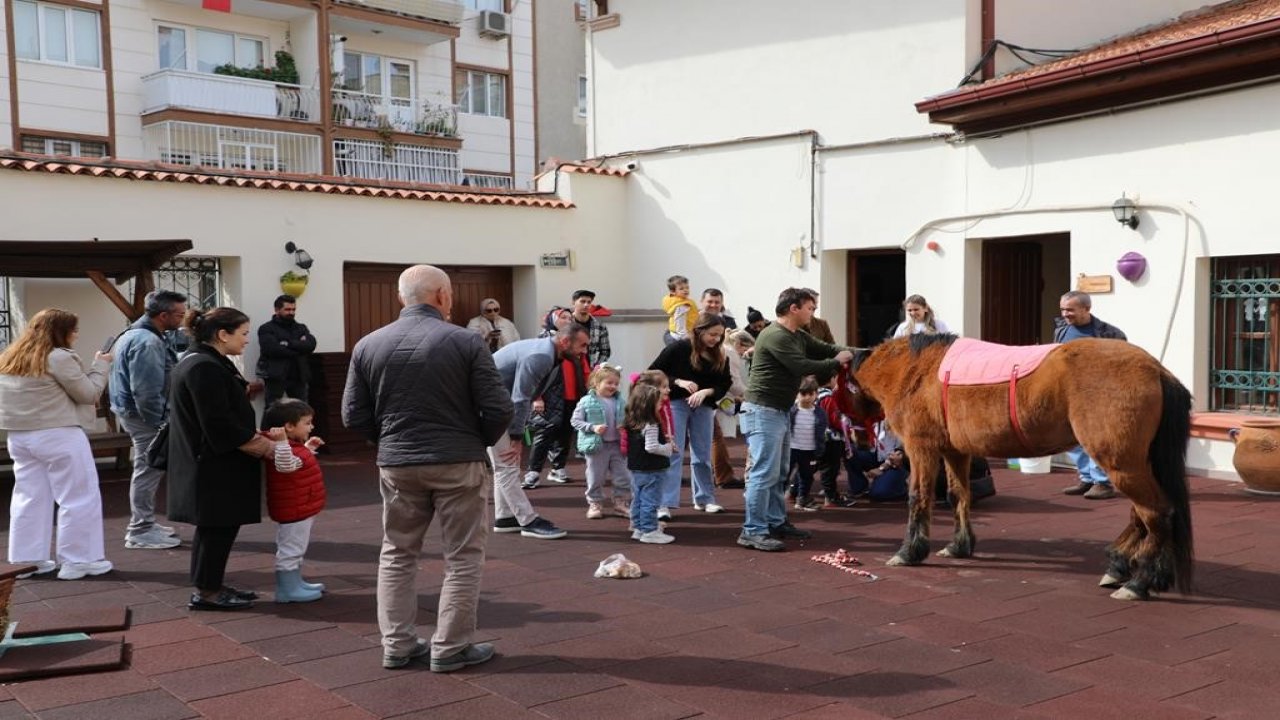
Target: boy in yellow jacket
{"type": "Point", "coordinates": [682, 313]}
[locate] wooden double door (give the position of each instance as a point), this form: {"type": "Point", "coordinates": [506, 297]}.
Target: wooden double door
{"type": "Point", "coordinates": [370, 294]}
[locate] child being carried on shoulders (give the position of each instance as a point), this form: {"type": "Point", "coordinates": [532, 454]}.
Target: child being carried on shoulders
{"type": "Point", "coordinates": [295, 494]}
{"type": "Point", "coordinates": [649, 450]}
{"type": "Point", "coordinates": [598, 418]}
{"type": "Point", "coordinates": [682, 313]}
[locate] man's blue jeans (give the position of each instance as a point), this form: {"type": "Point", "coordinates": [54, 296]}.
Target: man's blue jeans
{"type": "Point", "coordinates": [1087, 468]}
{"type": "Point", "coordinates": [768, 433]}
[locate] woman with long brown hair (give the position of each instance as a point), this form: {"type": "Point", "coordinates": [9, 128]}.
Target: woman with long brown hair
{"type": "Point", "coordinates": [700, 377]}
{"type": "Point", "coordinates": [46, 401]}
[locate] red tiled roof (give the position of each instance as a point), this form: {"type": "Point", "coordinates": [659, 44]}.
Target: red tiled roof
{"type": "Point", "coordinates": [1230, 26]}
{"type": "Point", "coordinates": [1190, 25]}
{"type": "Point", "coordinates": [130, 170]}
{"type": "Point", "coordinates": [595, 170]}
{"type": "Point", "coordinates": [584, 168]}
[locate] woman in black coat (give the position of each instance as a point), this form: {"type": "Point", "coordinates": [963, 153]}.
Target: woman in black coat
{"type": "Point", "coordinates": [215, 453]}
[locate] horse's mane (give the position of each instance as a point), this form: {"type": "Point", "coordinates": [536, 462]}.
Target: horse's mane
{"type": "Point", "coordinates": [920, 341]}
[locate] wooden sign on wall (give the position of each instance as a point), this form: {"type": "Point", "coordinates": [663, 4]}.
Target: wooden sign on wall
{"type": "Point", "coordinates": [1093, 283]}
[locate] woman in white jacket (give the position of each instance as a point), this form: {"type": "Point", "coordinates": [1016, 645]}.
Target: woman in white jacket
{"type": "Point", "coordinates": [46, 400]}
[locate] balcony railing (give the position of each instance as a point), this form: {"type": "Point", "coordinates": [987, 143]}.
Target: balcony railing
{"type": "Point", "coordinates": [229, 95]}
{"type": "Point", "coordinates": [220, 146]}
{"type": "Point", "coordinates": [445, 11]}
{"type": "Point", "coordinates": [375, 160]}
{"type": "Point", "coordinates": [488, 181]}
{"type": "Point", "coordinates": [417, 116]}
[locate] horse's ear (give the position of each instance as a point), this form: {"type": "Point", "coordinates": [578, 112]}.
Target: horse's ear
{"type": "Point", "coordinates": [860, 356]}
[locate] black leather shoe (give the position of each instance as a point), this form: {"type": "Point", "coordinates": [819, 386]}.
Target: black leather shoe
{"type": "Point", "coordinates": [787, 530]}
{"type": "Point", "coordinates": [224, 600]}
{"type": "Point", "coordinates": [242, 594]}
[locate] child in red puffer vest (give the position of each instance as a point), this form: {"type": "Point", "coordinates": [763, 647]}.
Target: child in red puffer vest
{"type": "Point", "coordinates": [295, 494]}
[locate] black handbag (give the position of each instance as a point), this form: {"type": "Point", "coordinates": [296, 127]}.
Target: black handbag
{"type": "Point", "coordinates": [158, 449]}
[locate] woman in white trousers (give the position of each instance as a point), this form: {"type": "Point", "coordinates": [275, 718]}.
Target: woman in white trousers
{"type": "Point", "coordinates": [46, 400]}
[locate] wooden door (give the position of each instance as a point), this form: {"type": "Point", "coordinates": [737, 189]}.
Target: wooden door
{"type": "Point", "coordinates": [1012, 283]}
{"type": "Point", "coordinates": [371, 300]}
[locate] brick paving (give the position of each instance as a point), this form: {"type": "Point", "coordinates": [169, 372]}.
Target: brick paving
{"type": "Point", "coordinates": [712, 630]}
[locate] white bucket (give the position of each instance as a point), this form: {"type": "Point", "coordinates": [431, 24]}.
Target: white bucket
{"type": "Point", "coordinates": [1036, 466]}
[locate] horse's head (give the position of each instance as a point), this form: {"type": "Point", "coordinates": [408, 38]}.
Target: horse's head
{"type": "Point", "coordinates": [864, 403]}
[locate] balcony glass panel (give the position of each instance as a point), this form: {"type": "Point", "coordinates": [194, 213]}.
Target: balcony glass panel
{"type": "Point", "coordinates": [229, 95]}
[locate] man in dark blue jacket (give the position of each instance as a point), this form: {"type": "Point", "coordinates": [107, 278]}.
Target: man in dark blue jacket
{"type": "Point", "coordinates": [1077, 321]}
{"type": "Point", "coordinates": [427, 392]}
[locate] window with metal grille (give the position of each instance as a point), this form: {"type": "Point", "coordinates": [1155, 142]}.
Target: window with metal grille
{"type": "Point", "coordinates": [6, 321]}
{"type": "Point", "coordinates": [59, 146]}
{"type": "Point", "coordinates": [196, 277]}
{"type": "Point", "coordinates": [1245, 368]}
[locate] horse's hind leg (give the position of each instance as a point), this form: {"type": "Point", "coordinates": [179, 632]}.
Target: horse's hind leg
{"type": "Point", "coordinates": [963, 542]}
{"type": "Point", "coordinates": [1119, 554]}
{"type": "Point", "coordinates": [915, 547]}
{"type": "Point", "coordinates": [1147, 542]}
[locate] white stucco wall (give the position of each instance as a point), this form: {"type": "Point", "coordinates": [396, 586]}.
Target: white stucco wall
{"type": "Point", "coordinates": [678, 72]}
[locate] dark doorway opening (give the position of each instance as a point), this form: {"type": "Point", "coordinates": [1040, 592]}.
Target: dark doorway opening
{"type": "Point", "coordinates": [877, 283]}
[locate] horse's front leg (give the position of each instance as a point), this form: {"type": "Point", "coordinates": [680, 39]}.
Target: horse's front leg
{"type": "Point", "coordinates": [963, 542]}
{"type": "Point", "coordinates": [915, 548]}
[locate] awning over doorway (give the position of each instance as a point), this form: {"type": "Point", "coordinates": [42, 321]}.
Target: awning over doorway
{"type": "Point", "coordinates": [102, 262]}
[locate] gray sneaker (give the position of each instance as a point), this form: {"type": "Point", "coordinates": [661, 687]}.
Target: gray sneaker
{"type": "Point", "coordinates": [153, 539]}
{"type": "Point", "coordinates": [542, 529]}
{"type": "Point", "coordinates": [420, 649]}
{"type": "Point", "coordinates": [472, 655]}
{"type": "Point", "coordinates": [761, 542]}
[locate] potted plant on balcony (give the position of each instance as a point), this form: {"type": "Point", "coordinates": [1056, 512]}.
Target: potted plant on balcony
{"type": "Point", "coordinates": [292, 283]}
{"type": "Point", "coordinates": [285, 70]}
{"type": "Point", "coordinates": [386, 132]}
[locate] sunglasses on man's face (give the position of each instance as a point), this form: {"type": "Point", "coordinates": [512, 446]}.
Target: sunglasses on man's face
{"type": "Point", "coordinates": [492, 310]}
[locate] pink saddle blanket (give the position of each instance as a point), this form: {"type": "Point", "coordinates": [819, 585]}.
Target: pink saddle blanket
{"type": "Point", "coordinates": [974, 362]}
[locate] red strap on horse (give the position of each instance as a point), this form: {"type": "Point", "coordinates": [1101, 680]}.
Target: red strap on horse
{"type": "Point", "coordinates": [946, 383]}
{"type": "Point", "coordinates": [1013, 404]}
{"type": "Point", "coordinates": [1013, 408]}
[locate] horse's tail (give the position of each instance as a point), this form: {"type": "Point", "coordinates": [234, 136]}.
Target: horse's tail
{"type": "Point", "coordinates": [1168, 455]}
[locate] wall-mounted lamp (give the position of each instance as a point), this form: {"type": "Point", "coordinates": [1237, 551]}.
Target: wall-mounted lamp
{"type": "Point", "coordinates": [301, 257]}
{"type": "Point", "coordinates": [1126, 212]}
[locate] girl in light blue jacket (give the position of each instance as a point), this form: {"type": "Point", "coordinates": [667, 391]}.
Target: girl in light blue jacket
{"type": "Point", "coordinates": [597, 418]}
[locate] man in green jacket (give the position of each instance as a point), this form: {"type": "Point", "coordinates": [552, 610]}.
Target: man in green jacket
{"type": "Point", "coordinates": [784, 355]}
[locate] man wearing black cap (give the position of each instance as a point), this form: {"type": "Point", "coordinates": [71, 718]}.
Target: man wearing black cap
{"type": "Point", "coordinates": [598, 349]}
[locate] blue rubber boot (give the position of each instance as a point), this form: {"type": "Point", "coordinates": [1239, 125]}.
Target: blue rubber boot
{"type": "Point", "coordinates": [318, 587]}
{"type": "Point", "coordinates": [289, 588]}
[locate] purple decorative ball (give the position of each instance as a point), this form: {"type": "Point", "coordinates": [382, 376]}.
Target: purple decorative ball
{"type": "Point", "coordinates": [1131, 266]}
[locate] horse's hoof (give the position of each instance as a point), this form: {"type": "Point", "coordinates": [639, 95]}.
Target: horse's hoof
{"type": "Point", "coordinates": [1110, 581]}
{"type": "Point", "coordinates": [1125, 593]}
{"type": "Point", "coordinates": [946, 552]}
{"type": "Point", "coordinates": [897, 560]}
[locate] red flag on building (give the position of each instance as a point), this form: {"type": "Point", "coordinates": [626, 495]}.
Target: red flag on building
{"type": "Point", "coordinates": [217, 5]}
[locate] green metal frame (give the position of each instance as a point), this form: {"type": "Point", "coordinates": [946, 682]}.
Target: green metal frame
{"type": "Point", "coordinates": [1243, 376]}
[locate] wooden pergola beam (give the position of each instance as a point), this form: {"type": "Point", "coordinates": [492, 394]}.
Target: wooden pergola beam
{"type": "Point", "coordinates": [114, 295]}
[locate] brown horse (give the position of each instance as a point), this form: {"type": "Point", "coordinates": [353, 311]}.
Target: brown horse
{"type": "Point", "coordinates": [1131, 415]}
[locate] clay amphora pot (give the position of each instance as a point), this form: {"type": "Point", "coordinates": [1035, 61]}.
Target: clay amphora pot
{"type": "Point", "coordinates": [1257, 456]}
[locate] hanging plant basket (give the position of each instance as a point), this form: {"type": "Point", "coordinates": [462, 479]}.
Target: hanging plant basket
{"type": "Point", "coordinates": [292, 283]}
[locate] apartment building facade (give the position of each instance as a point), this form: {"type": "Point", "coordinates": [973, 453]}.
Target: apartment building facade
{"type": "Point", "coordinates": [421, 91]}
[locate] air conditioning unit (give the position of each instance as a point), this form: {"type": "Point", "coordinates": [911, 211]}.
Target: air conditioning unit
{"type": "Point", "coordinates": [494, 24]}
